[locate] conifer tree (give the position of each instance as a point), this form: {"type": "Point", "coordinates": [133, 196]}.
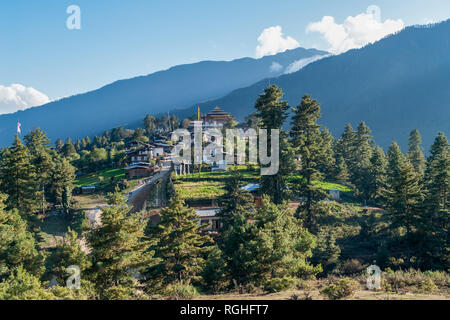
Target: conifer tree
{"type": "Point", "coordinates": [272, 112]}
{"type": "Point", "coordinates": [436, 214]}
{"type": "Point", "coordinates": [149, 124]}
{"type": "Point", "coordinates": [327, 162]}
{"type": "Point", "coordinates": [119, 246]}
{"type": "Point", "coordinates": [38, 146]}
{"type": "Point", "coordinates": [214, 274]}
{"type": "Point", "coordinates": [240, 246]}
{"type": "Point", "coordinates": [68, 252]}
{"type": "Point", "coordinates": [271, 109]}
{"type": "Point", "coordinates": [341, 174]}
{"type": "Point", "coordinates": [68, 150]}
{"type": "Point", "coordinates": [415, 154]}
{"type": "Point", "coordinates": [377, 174]}
{"type": "Point", "coordinates": [18, 179]}
{"type": "Point", "coordinates": [283, 245]}
{"type": "Point", "coordinates": [327, 252]}
{"type": "Point", "coordinates": [360, 171]}
{"type": "Point", "coordinates": [59, 144]}
{"type": "Point", "coordinates": [62, 177]}
{"type": "Point", "coordinates": [234, 199]}
{"type": "Point", "coordinates": [180, 247]}
{"type": "Point", "coordinates": [21, 285]}
{"type": "Point", "coordinates": [17, 245]}
{"type": "Point", "coordinates": [403, 195]}
{"type": "Point", "coordinates": [345, 146]}
{"type": "Point", "coordinates": [306, 139]}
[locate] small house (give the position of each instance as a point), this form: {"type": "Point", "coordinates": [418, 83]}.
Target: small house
{"type": "Point", "coordinates": [208, 216]}
{"type": "Point", "coordinates": [334, 194]}
{"type": "Point", "coordinates": [138, 170]}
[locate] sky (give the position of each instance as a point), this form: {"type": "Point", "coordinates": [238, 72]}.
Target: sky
{"type": "Point", "coordinates": [42, 59]}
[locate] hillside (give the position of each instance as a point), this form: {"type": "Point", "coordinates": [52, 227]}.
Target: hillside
{"type": "Point", "coordinates": [128, 101]}
{"type": "Point", "coordinates": [395, 85]}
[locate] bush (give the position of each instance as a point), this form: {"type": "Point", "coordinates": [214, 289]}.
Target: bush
{"type": "Point", "coordinates": [340, 289]}
{"type": "Point", "coordinates": [427, 286]}
{"type": "Point", "coordinates": [181, 292]}
{"type": "Point", "coordinates": [279, 284]}
{"type": "Point", "coordinates": [80, 222]}
{"type": "Point", "coordinates": [351, 267]}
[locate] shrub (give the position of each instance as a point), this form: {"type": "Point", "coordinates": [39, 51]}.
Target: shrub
{"type": "Point", "coordinates": [340, 289]}
{"type": "Point", "coordinates": [181, 291]}
{"type": "Point", "coordinates": [351, 267]}
{"type": "Point", "coordinates": [427, 286]}
{"type": "Point", "coordinates": [279, 284]}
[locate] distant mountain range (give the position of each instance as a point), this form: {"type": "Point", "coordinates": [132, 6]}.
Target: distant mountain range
{"type": "Point", "coordinates": [126, 102]}
{"type": "Point", "coordinates": [397, 84]}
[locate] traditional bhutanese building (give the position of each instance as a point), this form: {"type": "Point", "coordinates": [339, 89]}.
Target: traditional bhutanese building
{"type": "Point", "coordinates": [217, 116]}
{"type": "Point", "coordinates": [214, 119]}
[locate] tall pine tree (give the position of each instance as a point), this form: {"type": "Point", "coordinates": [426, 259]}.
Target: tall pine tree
{"type": "Point", "coordinates": [307, 140]}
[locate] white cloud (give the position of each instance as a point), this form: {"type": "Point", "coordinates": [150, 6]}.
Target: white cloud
{"type": "Point", "coordinates": [299, 64]}
{"type": "Point", "coordinates": [271, 41]}
{"type": "Point", "coordinates": [355, 32]}
{"type": "Point", "coordinates": [18, 97]}
{"type": "Point", "coordinates": [275, 67]}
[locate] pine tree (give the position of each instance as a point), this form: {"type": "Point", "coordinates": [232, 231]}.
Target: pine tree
{"type": "Point", "coordinates": [345, 146]}
{"type": "Point", "coordinates": [149, 123]}
{"type": "Point", "coordinates": [403, 195]}
{"type": "Point", "coordinates": [234, 199]}
{"type": "Point", "coordinates": [18, 179]}
{"type": "Point", "coordinates": [270, 109]}
{"type": "Point", "coordinates": [327, 252]}
{"type": "Point", "coordinates": [240, 246]}
{"type": "Point", "coordinates": [360, 171]}
{"type": "Point", "coordinates": [119, 246]}
{"type": "Point", "coordinates": [283, 245]}
{"type": "Point", "coordinates": [327, 162]}
{"type": "Point", "coordinates": [61, 186]}
{"type": "Point", "coordinates": [59, 144]}
{"type": "Point", "coordinates": [68, 150]}
{"type": "Point", "coordinates": [436, 214]}
{"type": "Point", "coordinates": [180, 247]}
{"type": "Point", "coordinates": [377, 174]}
{"type": "Point", "coordinates": [341, 174]}
{"type": "Point", "coordinates": [21, 285]}
{"type": "Point", "coordinates": [214, 275]}
{"type": "Point", "coordinates": [39, 148]}
{"type": "Point", "coordinates": [415, 154]}
{"type": "Point", "coordinates": [306, 139]}
{"type": "Point", "coordinates": [272, 112]}
{"type": "Point", "coordinates": [275, 185]}
{"type": "Point", "coordinates": [68, 252]}
{"type": "Point", "coordinates": [17, 245]}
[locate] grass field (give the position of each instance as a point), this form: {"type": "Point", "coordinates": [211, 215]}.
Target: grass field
{"type": "Point", "coordinates": [100, 178]}
{"type": "Point", "coordinates": [210, 185]}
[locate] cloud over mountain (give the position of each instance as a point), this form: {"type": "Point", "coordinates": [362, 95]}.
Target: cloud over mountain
{"type": "Point", "coordinates": [272, 41]}
{"type": "Point", "coordinates": [18, 97]}
{"type": "Point", "coordinates": [355, 32]}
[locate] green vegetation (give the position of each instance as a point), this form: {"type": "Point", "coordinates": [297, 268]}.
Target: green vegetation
{"type": "Point", "coordinates": [101, 178]}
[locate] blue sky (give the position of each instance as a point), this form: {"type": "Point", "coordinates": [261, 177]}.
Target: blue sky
{"type": "Point", "coordinates": [121, 39]}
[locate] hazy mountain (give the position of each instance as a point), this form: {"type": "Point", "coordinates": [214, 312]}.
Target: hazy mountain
{"type": "Point", "coordinates": [397, 84]}
{"type": "Point", "coordinates": [128, 101]}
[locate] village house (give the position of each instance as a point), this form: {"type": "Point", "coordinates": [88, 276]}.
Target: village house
{"type": "Point", "coordinates": [139, 155]}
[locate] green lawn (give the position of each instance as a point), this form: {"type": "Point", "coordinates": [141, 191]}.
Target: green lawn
{"type": "Point", "coordinates": [100, 178]}
{"type": "Point", "coordinates": [210, 185]}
